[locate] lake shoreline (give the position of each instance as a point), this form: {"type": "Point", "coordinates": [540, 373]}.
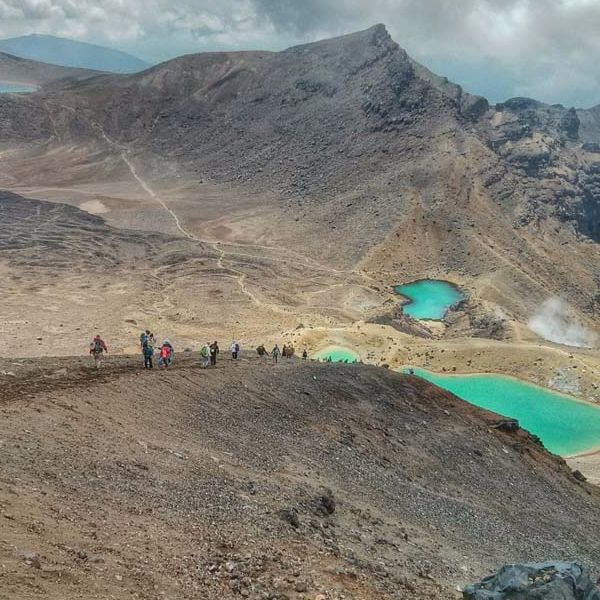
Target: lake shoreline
{"type": "Point", "coordinates": [567, 426]}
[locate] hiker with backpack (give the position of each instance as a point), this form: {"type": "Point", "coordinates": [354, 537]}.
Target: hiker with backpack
{"type": "Point", "coordinates": [166, 354]}
{"type": "Point", "coordinates": [275, 353]}
{"type": "Point", "coordinates": [235, 350]}
{"type": "Point", "coordinates": [262, 351]}
{"type": "Point", "coordinates": [205, 355]}
{"type": "Point", "coordinates": [97, 347]}
{"type": "Point", "coordinates": [214, 352]}
{"type": "Point", "coordinates": [148, 353]}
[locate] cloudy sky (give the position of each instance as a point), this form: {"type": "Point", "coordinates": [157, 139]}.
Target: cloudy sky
{"type": "Point", "coordinates": [547, 49]}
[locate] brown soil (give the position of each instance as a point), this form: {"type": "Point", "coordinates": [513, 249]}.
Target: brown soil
{"type": "Point", "coordinates": [266, 482]}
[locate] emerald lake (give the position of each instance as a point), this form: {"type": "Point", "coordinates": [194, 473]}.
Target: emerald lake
{"type": "Point", "coordinates": [428, 299]}
{"type": "Point", "coordinates": [15, 88]}
{"type": "Point", "coordinates": [565, 425]}
{"type": "Point", "coordinates": [336, 354]}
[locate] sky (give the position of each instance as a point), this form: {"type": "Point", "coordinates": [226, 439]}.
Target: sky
{"type": "Point", "coordinates": [545, 49]}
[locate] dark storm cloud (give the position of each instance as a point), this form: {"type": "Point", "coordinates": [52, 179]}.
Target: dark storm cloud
{"type": "Point", "coordinates": [542, 48]}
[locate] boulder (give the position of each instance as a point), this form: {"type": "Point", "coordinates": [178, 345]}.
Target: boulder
{"type": "Point", "coordinates": [509, 425]}
{"type": "Point", "coordinates": [542, 581]}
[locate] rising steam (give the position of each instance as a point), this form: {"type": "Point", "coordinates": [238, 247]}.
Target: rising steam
{"type": "Point", "coordinates": [555, 323]}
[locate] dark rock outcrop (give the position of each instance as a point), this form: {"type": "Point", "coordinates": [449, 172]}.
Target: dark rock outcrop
{"type": "Point", "coordinates": [548, 581]}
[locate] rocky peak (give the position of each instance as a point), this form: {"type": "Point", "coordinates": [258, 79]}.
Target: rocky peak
{"type": "Point", "coordinates": [529, 115]}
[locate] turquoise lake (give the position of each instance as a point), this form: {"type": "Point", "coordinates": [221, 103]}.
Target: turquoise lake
{"type": "Point", "coordinates": [565, 425]}
{"type": "Point", "coordinates": [336, 354]}
{"type": "Point", "coordinates": [14, 88]}
{"type": "Point", "coordinates": [429, 299]}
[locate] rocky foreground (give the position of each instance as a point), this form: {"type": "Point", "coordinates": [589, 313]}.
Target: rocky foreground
{"type": "Point", "coordinates": [252, 481]}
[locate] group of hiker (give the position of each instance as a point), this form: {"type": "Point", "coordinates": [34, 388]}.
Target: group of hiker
{"type": "Point", "coordinates": [288, 351]}
{"type": "Point", "coordinates": [166, 351]}
{"type": "Point", "coordinates": [209, 352]}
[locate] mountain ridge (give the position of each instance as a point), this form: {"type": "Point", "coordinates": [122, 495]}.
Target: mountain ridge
{"type": "Point", "coordinates": [349, 151]}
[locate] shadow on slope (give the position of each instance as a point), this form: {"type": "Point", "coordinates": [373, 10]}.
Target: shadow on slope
{"type": "Point", "coordinates": [331, 479]}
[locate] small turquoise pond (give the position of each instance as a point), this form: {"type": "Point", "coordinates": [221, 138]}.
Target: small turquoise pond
{"type": "Point", "coordinates": [336, 354]}
{"type": "Point", "coordinates": [429, 299]}
{"type": "Point", "coordinates": [14, 88]}
{"type": "Point", "coordinates": [565, 425]}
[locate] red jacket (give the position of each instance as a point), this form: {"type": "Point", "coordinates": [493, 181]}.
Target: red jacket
{"type": "Point", "coordinates": [95, 343]}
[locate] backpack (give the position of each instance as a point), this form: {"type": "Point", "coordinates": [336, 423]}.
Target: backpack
{"type": "Point", "coordinates": [204, 351]}
{"type": "Point", "coordinates": [98, 346]}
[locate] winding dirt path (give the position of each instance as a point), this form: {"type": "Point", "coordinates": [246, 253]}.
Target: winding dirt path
{"type": "Point", "coordinates": [235, 274]}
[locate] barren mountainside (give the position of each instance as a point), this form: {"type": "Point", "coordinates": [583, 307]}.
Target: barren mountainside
{"type": "Point", "coordinates": [250, 481]}
{"type": "Point", "coordinates": [347, 153]}
{"type": "Point", "coordinates": [364, 148]}
{"type": "Point", "coordinates": [281, 197]}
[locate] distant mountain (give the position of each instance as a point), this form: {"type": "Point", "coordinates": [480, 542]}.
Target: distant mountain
{"type": "Point", "coordinates": [69, 53]}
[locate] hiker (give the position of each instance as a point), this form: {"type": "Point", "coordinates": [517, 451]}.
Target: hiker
{"type": "Point", "coordinates": [276, 353]}
{"type": "Point", "coordinates": [235, 350]}
{"type": "Point", "coordinates": [304, 354]}
{"type": "Point", "coordinates": [166, 354]}
{"type": "Point", "coordinates": [214, 352]}
{"type": "Point", "coordinates": [205, 355]}
{"type": "Point", "coordinates": [144, 337]}
{"type": "Point", "coordinates": [290, 351]}
{"type": "Point", "coordinates": [148, 352]}
{"type": "Point", "coordinates": [284, 351]}
{"type": "Point", "coordinates": [262, 351]}
{"type": "Point", "coordinates": [97, 347]}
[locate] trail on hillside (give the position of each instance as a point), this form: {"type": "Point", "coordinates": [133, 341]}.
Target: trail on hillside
{"type": "Point", "coordinates": [226, 252]}
{"type": "Point", "coordinates": [124, 150]}
{"type": "Point", "coordinates": [237, 275]}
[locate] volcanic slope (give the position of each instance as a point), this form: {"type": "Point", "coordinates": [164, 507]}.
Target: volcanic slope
{"type": "Point", "coordinates": [353, 152]}
{"type": "Point", "coordinates": [68, 273]}
{"type": "Point", "coordinates": [247, 479]}
{"type": "Point", "coordinates": [64, 271]}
